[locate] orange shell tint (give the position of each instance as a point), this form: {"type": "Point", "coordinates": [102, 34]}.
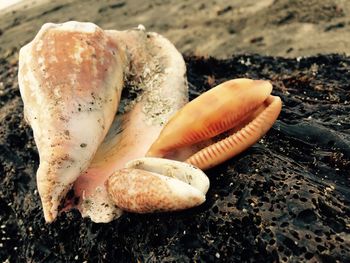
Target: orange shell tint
{"type": "Point", "coordinates": [239, 141]}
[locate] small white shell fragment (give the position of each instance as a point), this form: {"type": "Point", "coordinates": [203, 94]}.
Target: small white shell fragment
{"type": "Point", "coordinates": [144, 188]}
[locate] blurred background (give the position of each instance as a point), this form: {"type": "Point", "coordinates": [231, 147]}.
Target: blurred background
{"type": "Point", "coordinates": [220, 28]}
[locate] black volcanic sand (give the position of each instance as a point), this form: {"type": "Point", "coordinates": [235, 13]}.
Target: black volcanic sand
{"type": "Point", "coordinates": [285, 199]}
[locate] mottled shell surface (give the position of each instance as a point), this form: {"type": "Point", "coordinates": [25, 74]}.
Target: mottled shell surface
{"type": "Point", "coordinates": [154, 185]}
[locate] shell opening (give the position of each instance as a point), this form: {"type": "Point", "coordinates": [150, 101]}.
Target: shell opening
{"type": "Point", "coordinates": [239, 138]}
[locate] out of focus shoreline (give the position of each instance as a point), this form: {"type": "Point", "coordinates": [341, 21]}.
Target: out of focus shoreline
{"type": "Point", "coordinates": [206, 28]}
{"type": "Point", "coordinates": [9, 5]}
{"type": "Point", "coordinates": [12, 6]}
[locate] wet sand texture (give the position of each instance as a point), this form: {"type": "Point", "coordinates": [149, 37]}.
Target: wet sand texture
{"type": "Point", "coordinates": [285, 199]}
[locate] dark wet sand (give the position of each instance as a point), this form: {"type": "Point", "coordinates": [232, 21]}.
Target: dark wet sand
{"type": "Point", "coordinates": [286, 199]}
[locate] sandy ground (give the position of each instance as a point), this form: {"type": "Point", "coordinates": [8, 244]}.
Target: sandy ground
{"type": "Point", "coordinates": [219, 28]}
{"type": "Point", "coordinates": [286, 199]}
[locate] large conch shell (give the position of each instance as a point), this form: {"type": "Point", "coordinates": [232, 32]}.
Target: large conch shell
{"type": "Point", "coordinates": [71, 78]}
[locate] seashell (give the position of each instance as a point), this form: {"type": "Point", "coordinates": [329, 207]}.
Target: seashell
{"type": "Point", "coordinates": [149, 185]}
{"type": "Point", "coordinates": [242, 108]}
{"type": "Point", "coordinates": [71, 77]}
